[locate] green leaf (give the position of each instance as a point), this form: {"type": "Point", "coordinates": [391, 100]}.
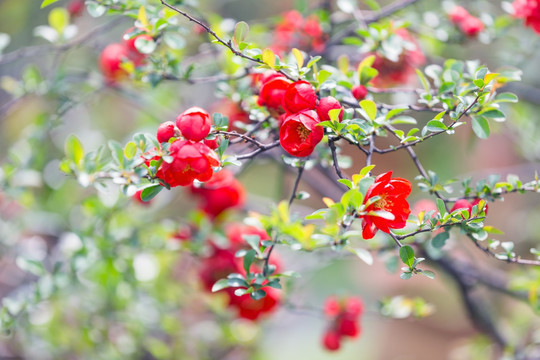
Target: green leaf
{"type": "Point", "coordinates": [370, 108]}
{"type": "Point", "coordinates": [47, 3]}
{"type": "Point", "coordinates": [324, 75]}
{"type": "Point", "coordinates": [440, 239]}
{"type": "Point", "coordinates": [174, 41]}
{"type": "Point", "coordinates": [150, 192]}
{"type": "Point", "coordinates": [74, 150]}
{"type": "Point", "coordinates": [144, 45]}
{"type": "Point", "coordinates": [258, 295]}
{"type": "Point", "coordinates": [59, 19]}
{"type": "Point", "coordinates": [406, 253]}
{"type": "Point", "coordinates": [220, 285]}
{"type": "Point", "coordinates": [406, 275]}
{"type": "Point", "coordinates": [130, 150]}
{"type": "Point", "coordinates": [441, 207]}
{"type": "Point", "coordinates": [248, 260]}
{"type": "Point", "coordinates": [298, 57]}
{"type": "Point", "coordinates": [506, 97]}
{"type": "Point", "coordinates": [363, 254]}
{"type": "Point", "coordinates": [31, 266]}
{"type": "Point", "coordinates": [428, 273]}
{"type": "Point", "coordinates": [268, 57]}
{"type": "Point", "coordinates": [96, 9]}
{"type": "Point", "coordinates": [241, 30]}
{"type": "Point", "coordinates": [436, 126]}
{"type": "Point", "coordinates": [423, 80]}
{"type": "Point", "coordinates": [480, 127]}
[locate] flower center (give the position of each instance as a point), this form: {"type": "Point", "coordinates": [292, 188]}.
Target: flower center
{"type": "Point", "coordinates": [303, 132]}
{"type": "Point", "coordinates": [383, 203]}
{"type": "Point", "coordinates": [186, 169]}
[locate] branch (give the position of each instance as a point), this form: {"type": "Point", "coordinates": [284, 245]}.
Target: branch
{"type": "Point", "coordinates": [332, 145]}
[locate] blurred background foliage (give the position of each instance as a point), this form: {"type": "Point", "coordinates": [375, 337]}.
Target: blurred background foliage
{"type": "Point", "coordinates": [95, 275]}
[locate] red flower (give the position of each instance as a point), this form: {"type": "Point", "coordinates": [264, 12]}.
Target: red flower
{"type": "Point", "coordinates": [359, 92]}
{"type": "Point", "coordinates": [272, 93]}
{"type": "Point", "coordinates": [300, 96]}
{"type": "Point", "coordinates": [332, 340]}
{"type": "Point", "coordinates": [253, 309]}
{"type": "Point", "coordinates": [458, 14]}
{"type": "Point", "coordinates": [75, 8]}
{"type": "Point", "coordinates": [166, 131]}
{"type": "Point", "coordinates": [392, 194]}
{"type": "Point", "coordinates": [222, 192]}
{"type": "Point", "coordinates": [194, 123]}
{"type": "Point", "coordinates": [471, 26]}
{"type": "Point", "coordinates": [344, 317]}
{"type": "Point", "coordinates": [110, 60]}
{"type": "Point", "coordinates": [402, 70]}
{"type": "Point", "coordinates": [325, 105]}
{"type": "Point", "coordinates": [299, 133]}
{"type": "Point", "coordinates": [530, 11]}
{"type": "Point", "coordinates": [191, 161]}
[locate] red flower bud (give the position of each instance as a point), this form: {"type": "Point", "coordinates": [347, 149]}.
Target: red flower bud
{"type": "Point", "coordinates": [325, 105]}
{"type": "Point", "coordinates": [139, 200]}
{"type": "Point", "coordinates": [166, 131]}
{"type": "Point", "coordinates": [136, 56]}
{"type": "Point", "coordinates": [191, 161]}
{"type": "Point", "coordinates": [464, 204]}
{"type": "Point", "coordinates": [272, 93]}
{"type": "Point", "coordinates": [252, 309]}
{"type": "Point", "coordinates": [110, 60]}
{"type": "Point", "coordinates": [458, 14]}
{"type": "Point", "coordinates": [194, 123]}
{"type": "Point", "coordinates": [471, 26]}
{"type": "Point", "coordinates": [348, 326]}
{"type": "Point", "coordinates": [359, 92]}
{"type": "Point", "coordinates": [299, 96]}
{"type": "Point", "coordinates": [75, 8]}
{"type": "Point", "coordinates": [332, 340]}
{"type": "Point", "coordinates": [299, 133]}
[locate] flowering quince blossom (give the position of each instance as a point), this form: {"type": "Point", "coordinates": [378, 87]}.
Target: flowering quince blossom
{"type": "Point", "coordinates": [392, 195]}
{"type": "Point", "coordinates": [299, 133]}
{"type": "Point", "coordinates": [190, 161]}
{"type": "Point", "coordinates": [458, 14]}
{"type": "Point", "coordinates": [136, 56]}
{"type": "Point", "coordinates": [300, 96]}
{"type": "Point", "coordinates": [194, 123]}
{"type": "Point", "coordinates": [344, 320]}
{"type": "Point", "coordinates": [325, 105]}
{"type": "Point", "coordinates": [530, 11]}
{"type": "Point", "coordinates": [220, 193]}
{"type": "Point", "coordinates": [402, 70]}
{"type": "Point", "coordinates": [296, 31]}
{"type": "Point", "coordinates": [272, 93]}
{"type": "Point", "coordinates": [470, 25]}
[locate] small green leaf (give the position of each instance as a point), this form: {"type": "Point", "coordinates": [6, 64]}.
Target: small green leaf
{"type": "Point", "coordinates": [74, 150]}
{"type": "Point", "coordinates": [423, 80]}
{"type": "Point", "coordinates": [406, 253]}
{"type": "Point", "coordinates": [31, 266]}
{"type": "Point", "coordinates": [59, 19]}
{"type": "Point", "coordinates": [480, 127]}
{"type": "Point", "coordinates": [299, 57]}
{"type": "Point", "coordinates": [241, 30]}
{"type": "Point", "coordinates": [436, 126]}
{"type": "Point", "coordinates": [130, 150]}
{"type": "Point", "coordinates": [406, 275]}
{"type": "Point", "coordinates": [258, 295]}
{"type": "Point", "coordinates": [248, 260]}
{"type": "Point", "coordinates": [428, 273]}
{"type": "Point", "coordinates": [47, 3]}
{"type": "Point", "coordinates": [220, 285]}
{"type": "Point", "coordinates": [268, 57]}
{"type": "Point", "coordinates": [441, 207]}
{"type": "Point", "coordinates": [370, 108]}
{"type": "Point", "coordinates": [440, 239]}
{"type": "Point", "coordinates": [150, 192]}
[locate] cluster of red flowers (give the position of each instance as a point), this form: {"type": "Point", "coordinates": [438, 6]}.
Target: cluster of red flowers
{"type": "Point", "coordinates": [390, 210]}
{"type": "Point", "coordinates": [297, 107]}
{"type": "Point", "coordinates": [402, 70]}
{"type": "Point", "coordinates": [112, 57]}
{"type": "Point", "coordinates": [344, 317]}
{"type": "Point", "coordinates": [470, 25]}
{"type": "Point", "coordinates": [190, 158]}
{"type": "Point", "coordinates": [295, 31]}
{"type": "Point", "coordinates": [222, 262]}
{"type": "Point", "coordinates": [530, 11]}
